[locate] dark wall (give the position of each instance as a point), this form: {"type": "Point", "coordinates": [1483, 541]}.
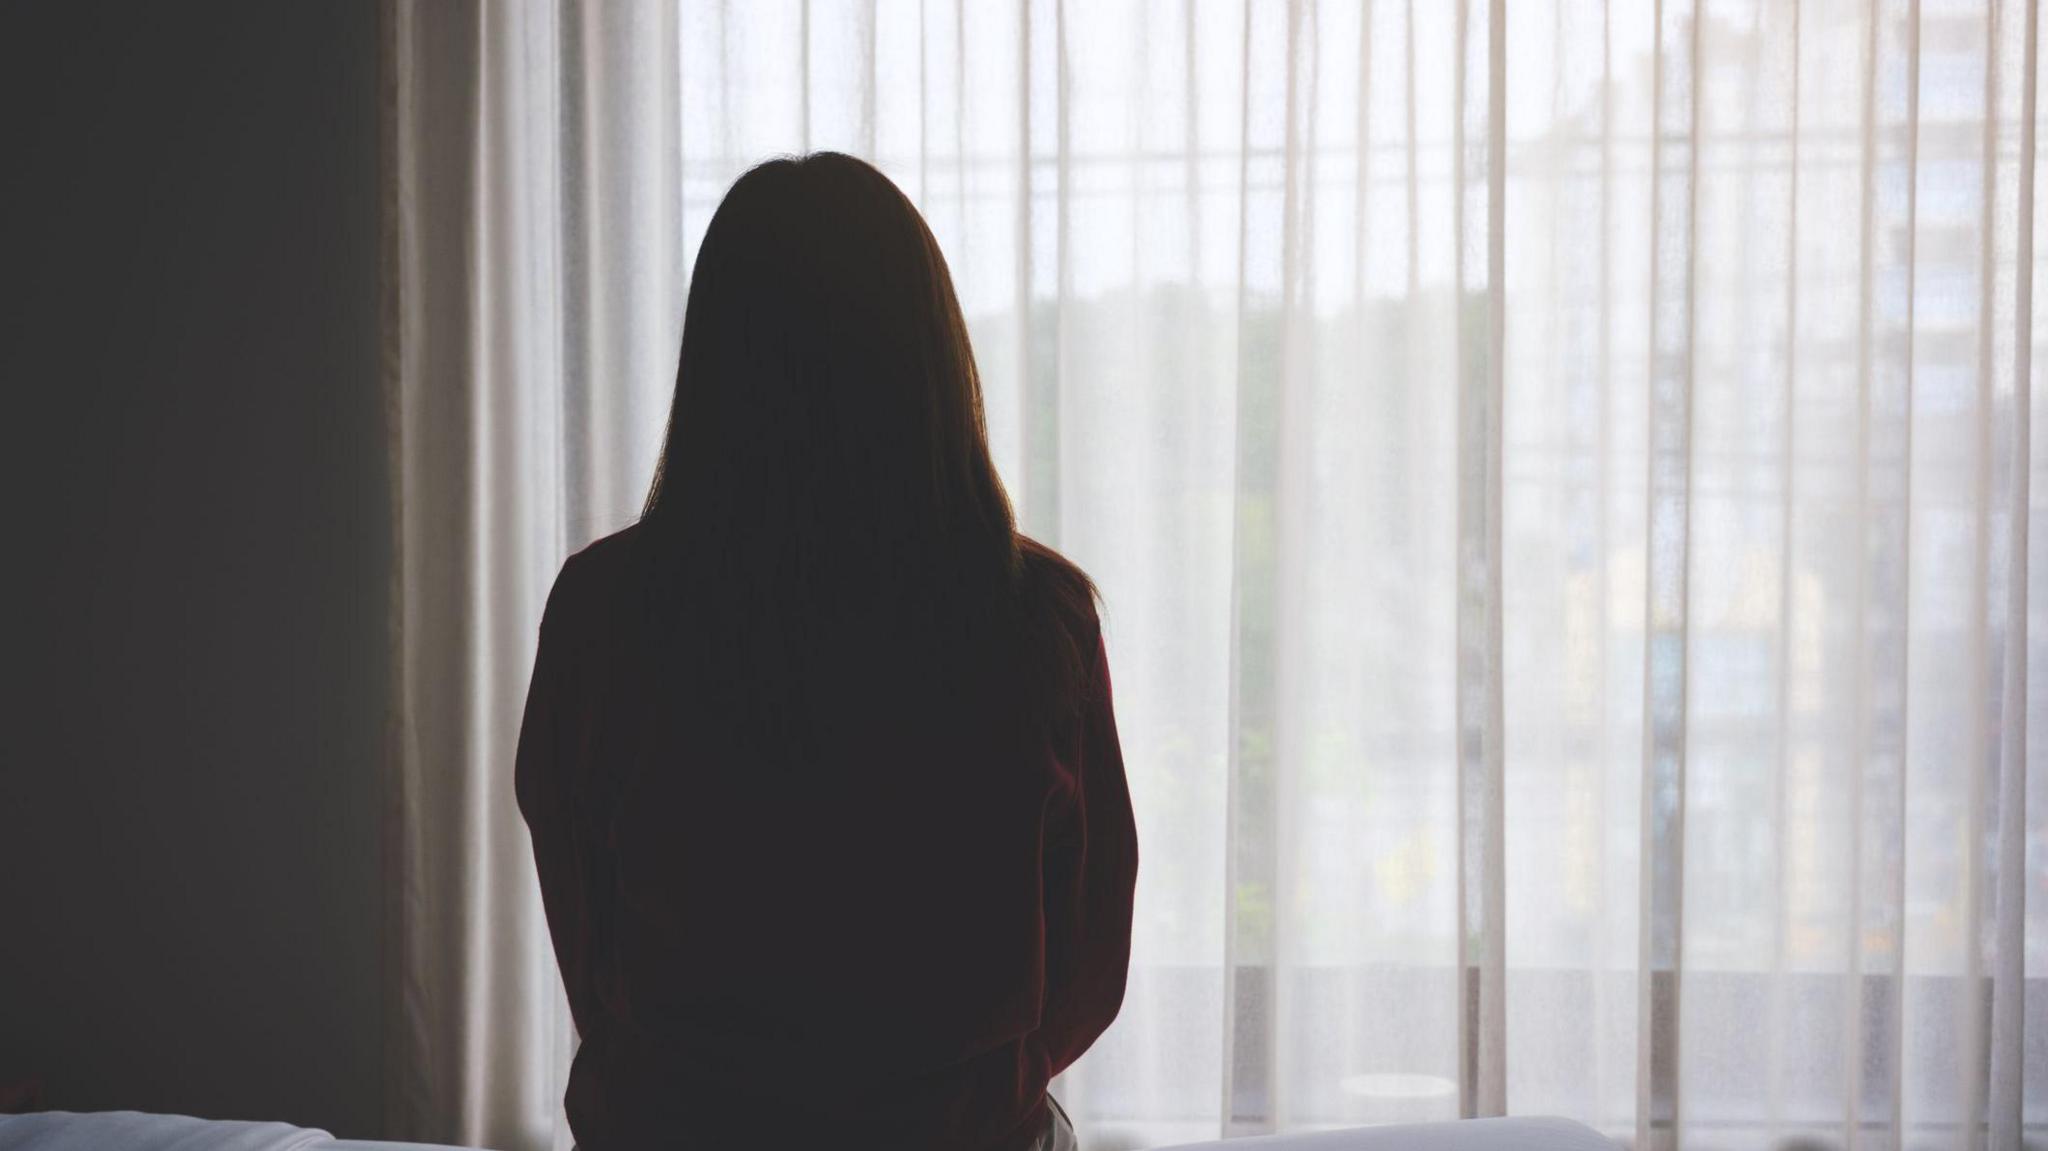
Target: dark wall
{"type": "Point", "coordinates": [194, 554]}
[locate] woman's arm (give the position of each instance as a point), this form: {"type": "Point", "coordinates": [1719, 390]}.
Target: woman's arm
{"type": "Point", "coordinates": [543, 776]}
{"type": "Point", "coordinates": [1091, 870]}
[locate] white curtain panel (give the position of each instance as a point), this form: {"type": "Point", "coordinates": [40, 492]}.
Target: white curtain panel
{"type": "Point", "coordinates": [1559, 474]}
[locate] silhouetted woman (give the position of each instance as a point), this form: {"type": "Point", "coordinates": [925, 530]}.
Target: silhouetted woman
{"type": "Point", "coordinates": [818, 757]}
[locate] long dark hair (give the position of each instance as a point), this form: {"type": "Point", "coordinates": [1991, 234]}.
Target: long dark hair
{"type": "Point", "coordinates": [825, 498]}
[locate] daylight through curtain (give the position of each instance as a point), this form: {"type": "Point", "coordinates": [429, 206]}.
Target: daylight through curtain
{"type": "Point", "coordinates": [1558, 472]}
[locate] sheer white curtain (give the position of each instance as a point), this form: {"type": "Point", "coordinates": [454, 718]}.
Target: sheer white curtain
{"type": "Point", "coordinates": [1559, 474]}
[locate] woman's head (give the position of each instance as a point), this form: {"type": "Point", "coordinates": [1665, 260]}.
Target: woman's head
{"type": "Point", "coordinates": [825, 489]}
{"type": "Point", "coordinates": [826, 396]}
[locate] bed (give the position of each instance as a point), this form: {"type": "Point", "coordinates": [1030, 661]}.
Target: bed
{"type": "Point", "coordinates": [1466, 1135]}
{"type": "Point", "coordinates": [137, 1131]}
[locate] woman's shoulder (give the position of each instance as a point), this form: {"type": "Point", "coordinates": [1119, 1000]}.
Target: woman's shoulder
{"type": "Point", "coordinates": [611, 553]}
{"type": "Point", "coordinates": [592, 576]}
{"type": "Point", "coordinates": [1059, 586]}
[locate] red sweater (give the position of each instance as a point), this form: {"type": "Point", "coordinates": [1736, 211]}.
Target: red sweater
{"type": "Point", "coordinates": [898, 952]}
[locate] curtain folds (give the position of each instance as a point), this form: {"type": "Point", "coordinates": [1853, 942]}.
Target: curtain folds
{"type": "Point", "coordinates": [1559, 474]}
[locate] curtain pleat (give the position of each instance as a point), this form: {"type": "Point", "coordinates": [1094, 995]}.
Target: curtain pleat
{"type": "Point", "coordinates": [1674, 155]}
{"type": "Point", "coordinates": [1559, 474]}
{"type": "Point", "coordinates": [1479, 156]}
{"type": "Point", "coordinates": [2008, 996]}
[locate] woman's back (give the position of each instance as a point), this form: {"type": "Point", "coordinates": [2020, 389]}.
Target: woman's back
{"type": "Point", "coordinates": [903, 919]}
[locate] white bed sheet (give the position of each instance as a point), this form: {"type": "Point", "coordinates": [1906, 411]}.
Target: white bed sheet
{"type": "Point", "coordinates": [1466, 1135]}
{"type": "Point", "coordinates": [140, 1131]}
